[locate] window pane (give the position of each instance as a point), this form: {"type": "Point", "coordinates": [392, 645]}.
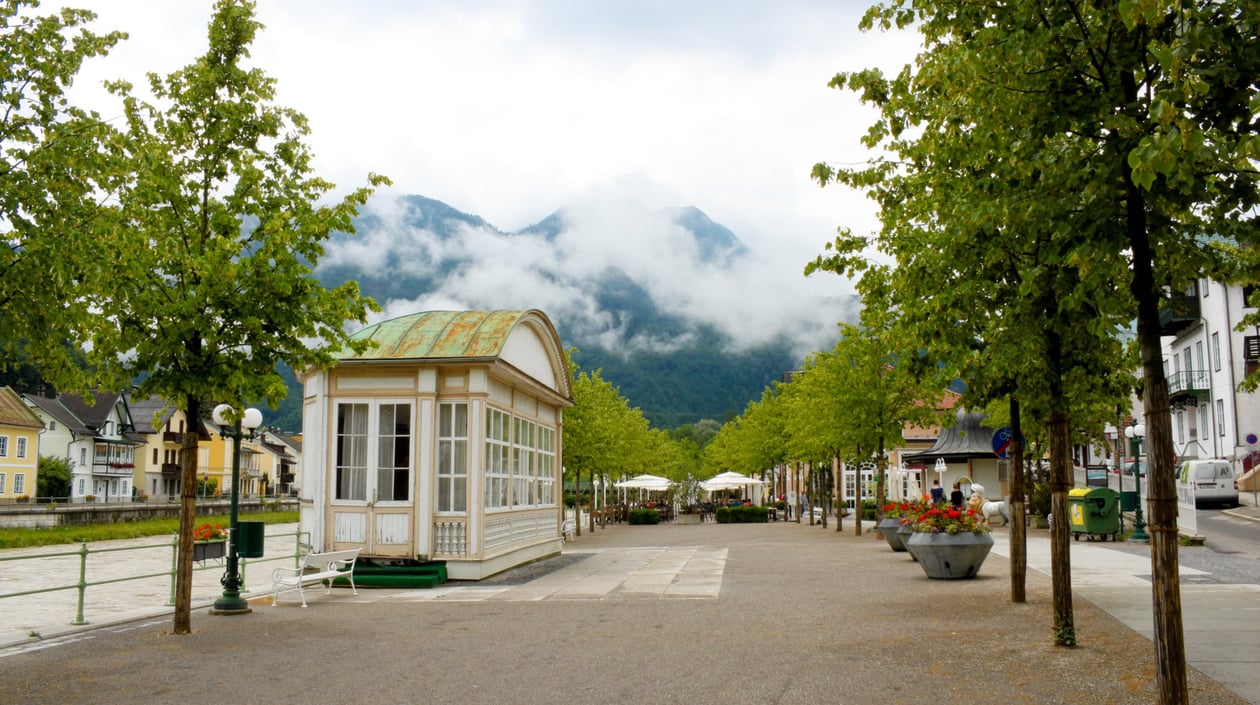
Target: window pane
{"type": "Point", "coordinates": [393, 462]}
{"type": "Point", "coordinates": [351, 451]}
{"type": "Point", "coordinates": [452, 457]}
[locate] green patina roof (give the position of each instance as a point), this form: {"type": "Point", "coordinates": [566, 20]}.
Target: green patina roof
{"type": "Point", "coordinates": [439, 335]}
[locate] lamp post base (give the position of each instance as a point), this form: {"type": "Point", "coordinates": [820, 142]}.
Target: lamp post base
{"type": "Point", "coordinates": [230, 605]}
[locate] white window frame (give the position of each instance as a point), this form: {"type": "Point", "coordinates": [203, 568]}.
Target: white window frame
{"type": "Point", "coordinates": [358, 473]}
{"type": "Point", "coordinates": [523, 432]}
{"type": "Point", "coordinates": [2, 482]}
{"type": "Point", "coordinates": [21, 446]}
{"type": "Point", "coordinates": [545, 460]}
{"type": "Point", "coordinates": [1220, 417]}
{"type": "Point", "coordinates": [452, 458]}
{"type": "Point", "coordinates": [1216, 351]}
{"type": "Point", "coordinates": [4, 446]}
{"type": "Point", "coordinates": [1181, 427]}
{"type": "Point", "coordinates": [498, 454]}
{"type": "Point", "coordinates": [19, 483]}
{"type": "Point", "coordinates": [1203, 422]}
{"type": "Point", "coordinates": [350, 451]}
{"type": "Point", "coordinates": [389, 443]}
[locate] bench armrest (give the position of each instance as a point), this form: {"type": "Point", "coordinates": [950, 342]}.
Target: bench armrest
{"type": "Point", "coordinates": [279, 574]}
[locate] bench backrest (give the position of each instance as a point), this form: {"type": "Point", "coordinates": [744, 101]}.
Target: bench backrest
{"type": "Point", "coordinates": [330, 560]}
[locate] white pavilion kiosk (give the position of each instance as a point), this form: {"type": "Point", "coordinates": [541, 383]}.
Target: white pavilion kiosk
{"type": "Point", "coordinates": [442, 442]}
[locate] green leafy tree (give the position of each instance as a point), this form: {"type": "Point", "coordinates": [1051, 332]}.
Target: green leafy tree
{"type": "Point", "coordinates": [222, 223]}
{"type": "Point", "coordinates": [55, 170]}
{"type": "Point", "coordinates": [598, 431]}
{"type": "Point", "coordinates": [53, 477]}
{"type": "Point", "coordinates": [1122, 136]}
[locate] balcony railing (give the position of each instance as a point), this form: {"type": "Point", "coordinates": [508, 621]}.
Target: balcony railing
{"type": "Point", "coordinates": [113, 468]}
{"type": "Point", "coordinates": [173, 437]}
{"type": "Point", "coordinates": [171, 470]}
{"type": "Point", "coordinates": [1183, 386]}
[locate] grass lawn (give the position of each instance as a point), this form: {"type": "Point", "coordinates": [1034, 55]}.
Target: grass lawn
{"type": "Point", "coordinates": [24, 538]}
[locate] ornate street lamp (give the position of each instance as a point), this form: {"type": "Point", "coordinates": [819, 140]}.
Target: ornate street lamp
{"type": "Point", "coordinates": [237, 427]}
{"type": "Point", "coordinates": [1135, 433]}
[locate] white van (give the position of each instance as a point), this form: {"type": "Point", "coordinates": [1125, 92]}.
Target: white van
{"type": "Point", "coordinates": [1213, 481]}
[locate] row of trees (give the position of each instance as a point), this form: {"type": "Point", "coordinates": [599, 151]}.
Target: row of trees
{"type": "Point", "coordinates": [605, 437]}
{"type": "Point", "coordinates": [174, 246]}
{"type": "Point", "coordinates": [1045, 175]}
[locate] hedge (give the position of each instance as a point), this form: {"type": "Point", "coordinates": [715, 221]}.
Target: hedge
{"type": "Point", "coordinates": [644, 516]}
{"type": "Point", "coordinates": [743, 515]}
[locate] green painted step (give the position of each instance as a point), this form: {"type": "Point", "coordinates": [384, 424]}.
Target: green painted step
{"type": "Point", "coordinates": [396, 573]}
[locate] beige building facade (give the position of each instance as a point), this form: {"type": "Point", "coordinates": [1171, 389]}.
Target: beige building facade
{"type": "Point", "coordinates": [442, 442]}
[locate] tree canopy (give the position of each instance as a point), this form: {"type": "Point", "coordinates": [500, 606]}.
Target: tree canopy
{"type": "Point", "coordinates": [1077, 161]}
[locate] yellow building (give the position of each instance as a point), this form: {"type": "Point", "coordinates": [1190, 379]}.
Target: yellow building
{"type": "Point", "coordinates": [19, 448]}
{"type": "Point", "coordinates": [442, 442]}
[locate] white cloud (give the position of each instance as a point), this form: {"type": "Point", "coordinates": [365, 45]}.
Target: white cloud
{"type": "Point", "coordinates": [759, 298]}
{"type": "Point", "coordinates": [510, 109]}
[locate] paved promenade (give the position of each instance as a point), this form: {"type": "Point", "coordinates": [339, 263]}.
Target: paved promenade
{"type": "Point", "coordinates": [690, 614]}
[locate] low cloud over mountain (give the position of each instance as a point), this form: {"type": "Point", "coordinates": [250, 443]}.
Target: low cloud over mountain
{"type": "Point", "coordinates": [613, 275]}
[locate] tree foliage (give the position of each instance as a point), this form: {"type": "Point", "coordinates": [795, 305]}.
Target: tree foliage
{"type": "Point", "coordinates": [210, 268]}
{"type": "Point", "coordinates": [55, 169]}
{"type": "Point", "coordinates": [1108, 153]}
{"type": "Point", "coordinates": [53, 477]}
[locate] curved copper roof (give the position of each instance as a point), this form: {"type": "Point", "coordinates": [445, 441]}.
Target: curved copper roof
{"type": "Point", "coordinates": [441, 335]}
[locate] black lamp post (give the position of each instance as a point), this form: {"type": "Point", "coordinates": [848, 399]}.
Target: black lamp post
{"type": "Point", "coordinates": [1135, 433]}
{"type": "Point", "coordinates": [237, 427]}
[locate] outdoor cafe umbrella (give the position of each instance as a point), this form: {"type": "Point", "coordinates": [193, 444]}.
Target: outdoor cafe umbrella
{"type": "Point", "coordinates": [730, 481]}
{"type": "Point", "coordinates": [645, 482]}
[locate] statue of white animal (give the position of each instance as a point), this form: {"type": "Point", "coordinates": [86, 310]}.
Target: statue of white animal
{"type": "Point", "coordinates": [985, 508]}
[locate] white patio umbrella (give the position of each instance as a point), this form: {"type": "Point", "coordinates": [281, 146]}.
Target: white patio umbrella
{"type": "Point", "coordinates": [730, 481]}
{"type": "Point", "coordinates": [645, 482]}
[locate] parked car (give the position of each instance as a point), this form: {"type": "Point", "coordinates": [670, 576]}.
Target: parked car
{"type": "Point", "coordinates": [1126, 468]}
{"type": "Point", "coordinates": [1213, 481]}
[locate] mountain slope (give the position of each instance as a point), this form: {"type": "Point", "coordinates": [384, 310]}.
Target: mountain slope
{"type": "Point", "coordinates": [648, 297]}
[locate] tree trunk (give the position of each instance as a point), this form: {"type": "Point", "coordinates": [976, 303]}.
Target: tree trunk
{"type": "Point", "coordinates": [881, 487]}
{"type": "Point", "coordinates": [1060, 555]}
{"type": "Point", "coordinates": [1169, 637]}
{"type": "Point", "coordinates": [182, 623]}
{"type": "Point", "coordinates": [1019, 515]}
{"type": "Point", "coordinates": [577, 502]}
{"type": "Point", "coordinates": [824, 490]}
{"type": "Point", "coordinates": [592, 502]}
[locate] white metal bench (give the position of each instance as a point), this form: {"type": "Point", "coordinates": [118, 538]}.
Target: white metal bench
{"type": "Point", "coordinates": [566, 530]}
{"type": "Point", "coordinates": [315, 568]}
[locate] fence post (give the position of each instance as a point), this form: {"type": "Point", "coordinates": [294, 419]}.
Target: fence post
{"type": "Point", "coordinates": [83, 553]}
{"type": "Point", "coordinates": [170, 602]}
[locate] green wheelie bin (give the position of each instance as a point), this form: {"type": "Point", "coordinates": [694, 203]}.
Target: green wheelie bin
{"type": "Point", "coordinates": [1094, 512]}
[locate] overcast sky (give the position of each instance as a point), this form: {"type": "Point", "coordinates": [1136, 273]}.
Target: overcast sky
{"type": "Point", "coordinates": [511, 109]}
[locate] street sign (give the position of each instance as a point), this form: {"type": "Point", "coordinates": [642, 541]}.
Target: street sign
{"type": "Point", "coordinates": [1002, 439]}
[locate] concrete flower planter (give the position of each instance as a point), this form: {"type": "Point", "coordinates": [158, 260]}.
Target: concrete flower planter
{"type": "Point", "coordinates": [949, 556]}
{"type": "Point", "coordinates": [889, 528]}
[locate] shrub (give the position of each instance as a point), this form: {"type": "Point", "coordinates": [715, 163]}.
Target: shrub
{"type": "Point", "coordinates": [743, 515]}
{"type": "Point", "coordinates": [1039, 502]}
{"type": "Point", "coordinates": [869, 509]}
{"type": "Point", "coordinates": [644, 516]}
